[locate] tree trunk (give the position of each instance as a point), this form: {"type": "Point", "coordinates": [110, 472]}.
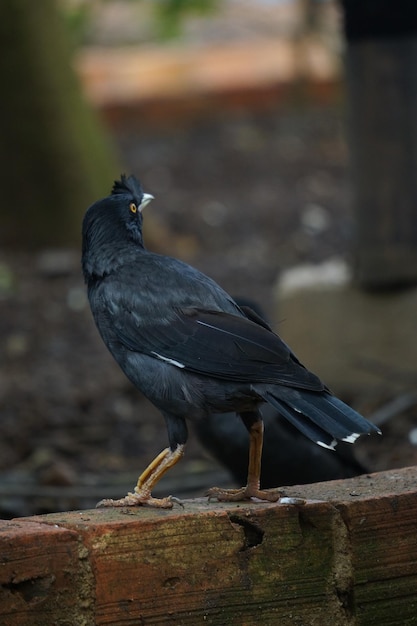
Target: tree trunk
{"type": "Point", "coordinates": [381, 61]}
{"type": "Point", "coordinates": [54, 160]}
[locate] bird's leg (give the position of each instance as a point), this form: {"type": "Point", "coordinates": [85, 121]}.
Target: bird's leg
{"type": "Point", "coordinates": [147, 481]}
{"type": "Point", "coordinates": [255, 426]}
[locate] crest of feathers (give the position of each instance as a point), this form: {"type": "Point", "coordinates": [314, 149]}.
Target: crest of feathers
{"type": "Point", "coordinates": [128, 185]}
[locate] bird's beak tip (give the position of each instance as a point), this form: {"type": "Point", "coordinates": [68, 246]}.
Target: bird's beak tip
{"type": "Point", "coordinates": [146, 198]}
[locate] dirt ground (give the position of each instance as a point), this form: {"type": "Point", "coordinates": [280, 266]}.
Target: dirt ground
{"type": "Point", "coordinates": [241, 197]}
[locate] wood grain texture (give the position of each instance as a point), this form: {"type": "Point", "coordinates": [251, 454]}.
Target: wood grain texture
{"type": "Point", "coordinates": [45, 577]}
{"type": "Point", "coordinates": [346, 556]}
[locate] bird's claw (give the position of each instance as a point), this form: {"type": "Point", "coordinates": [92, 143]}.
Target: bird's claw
{"type": "Point", "coordinates": [227, 495]}
{"type": "Point", "coordinates": [244, 493]}
{"type": "Point", "coordinates": [140, 499]}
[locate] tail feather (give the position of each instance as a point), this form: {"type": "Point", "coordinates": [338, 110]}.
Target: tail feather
{"type": "Point", "coordinates": [323, 418]}
{"type": "Point", "coordinates": [363, 426]}
{"type": "Point", "coordinates": [302, 423]}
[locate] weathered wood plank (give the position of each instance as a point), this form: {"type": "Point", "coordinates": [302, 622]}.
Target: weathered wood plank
{"type": "Point", "coordinates": [222, 563]}
{"type": "Point", "coordinates": [384, 558]}
{"type": "Point", "coordinates": [44, 575]}
{"type": "Point", "coordinates": [347, 556]}
{"type": "Point", "coordinates": [379, 512]}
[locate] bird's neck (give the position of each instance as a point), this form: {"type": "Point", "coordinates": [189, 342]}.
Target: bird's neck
{"type": "Point", "coordinates": [103, 260]}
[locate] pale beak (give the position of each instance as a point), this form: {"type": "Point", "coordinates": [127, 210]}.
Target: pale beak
{"type": "Point", "coordinates": [146, 198]}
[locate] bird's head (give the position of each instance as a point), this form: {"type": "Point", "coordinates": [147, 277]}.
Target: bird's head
{"type": "Point", "coordinates": [114, 222]}
{"type": "Point", "coordinates": [130, 191]}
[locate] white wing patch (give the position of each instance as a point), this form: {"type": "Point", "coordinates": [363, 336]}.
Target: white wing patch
{"type": "Point", "coordinates": [168, 360]}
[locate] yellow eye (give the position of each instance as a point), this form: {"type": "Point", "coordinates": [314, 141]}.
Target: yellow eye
{"type": "Point", "coordinates": [133, 207]}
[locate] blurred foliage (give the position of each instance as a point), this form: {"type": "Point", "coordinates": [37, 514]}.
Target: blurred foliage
{"type": "Point", "coordinates": [169, 15]}
{"type": "Point", "coordinates": [77, 17]}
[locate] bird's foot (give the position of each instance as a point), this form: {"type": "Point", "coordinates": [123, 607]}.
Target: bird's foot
{"type": "Point", "coordinates": [139, 498]}
{"type": "Point", "coordinates": [147, 480]}
{"type": "Point", "coordinates": [244, 493]}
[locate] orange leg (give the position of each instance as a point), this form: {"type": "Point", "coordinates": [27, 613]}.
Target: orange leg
{"type": "Point", "coordinates": [147, 481]}
{"type": "Point", "coordinates": [256, 434]}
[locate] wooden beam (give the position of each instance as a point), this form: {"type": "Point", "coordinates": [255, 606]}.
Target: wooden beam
{"type": "Point", "coordinates": [347, 555]}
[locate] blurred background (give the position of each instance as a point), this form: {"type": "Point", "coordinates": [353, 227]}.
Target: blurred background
{"type": "Point", "coordinates": [279, 139]}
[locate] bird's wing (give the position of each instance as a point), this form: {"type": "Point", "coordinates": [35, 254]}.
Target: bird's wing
{"type": "Point", "coordinates": [216, 344]}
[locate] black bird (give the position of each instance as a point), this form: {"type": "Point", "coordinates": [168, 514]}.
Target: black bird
{"type": "Point", "coordinates": [299, 461]}
{"type": "Point", "coordinates": [191, 350]}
